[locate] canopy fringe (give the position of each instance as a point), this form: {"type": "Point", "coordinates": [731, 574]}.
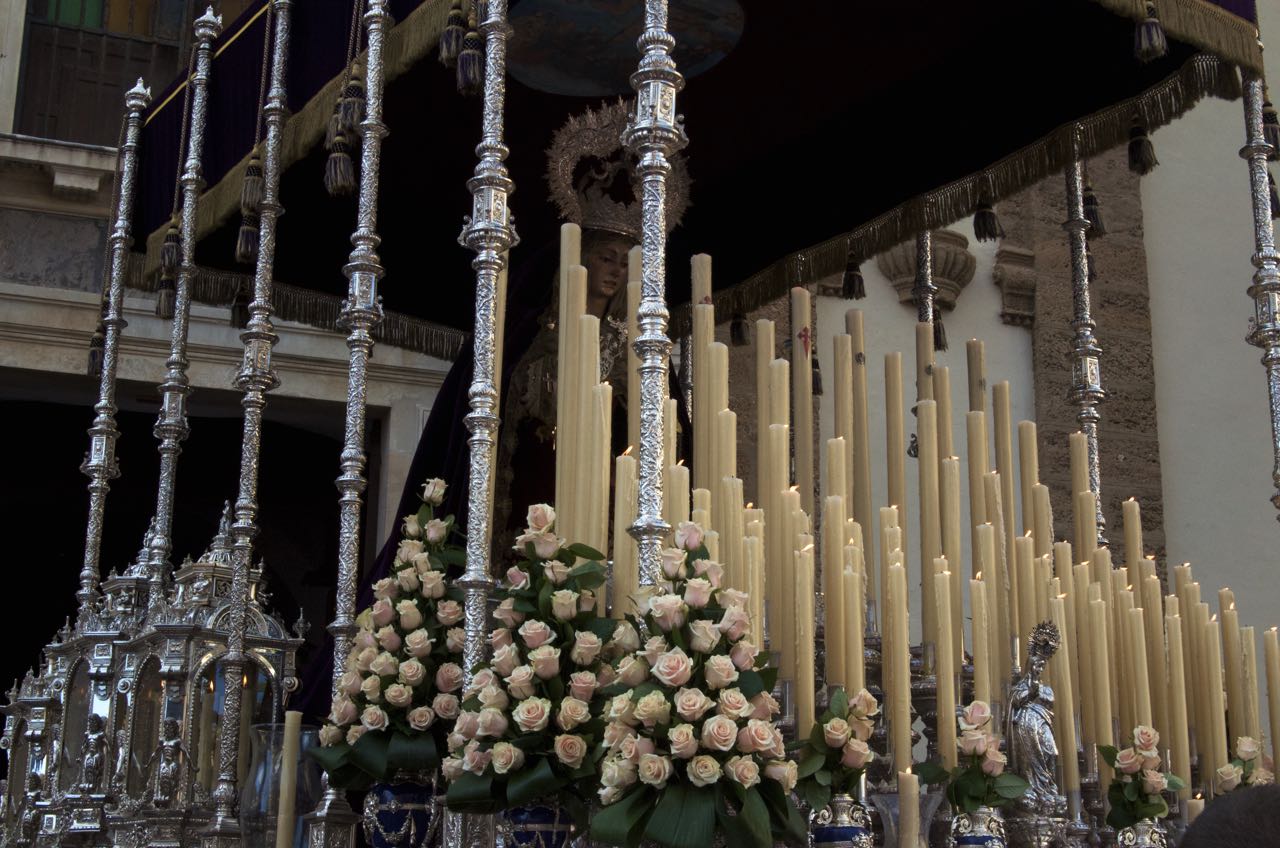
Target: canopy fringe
{"type": "Point", "coordinates": [1203, 25]}
{"type": "Point", "coordinates": [1201, 76]}
{"type": "Point", "coordinates": [315, 309]}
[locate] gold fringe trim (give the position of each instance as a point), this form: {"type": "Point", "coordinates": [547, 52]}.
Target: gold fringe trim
{"type": "Point", "coordinates": [406, 44]}
{"type": "Point", "coordinates": [315, 309]}
{"type": "Point", "coordinates": [1201, 24]}
{"type": "Point", "coordinates": [1202, 76]}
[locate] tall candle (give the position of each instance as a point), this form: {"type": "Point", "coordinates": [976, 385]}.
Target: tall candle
{"type": "Point", "coordinates": [1066, 697]}
{"type": "Point", "coordinates": [895, 439]}
{"type": "Point", "coordinates": [1087, 533]}
{"type": "Point", "coordinates": [802, 392]}
{"type": "Point", "coordinates": [1002, 411]}
{"type": "Point", "coordinates": [854, 604]}
{"type": "Point", "coordinates": [981, 641]}
{"type": "Point", "coordinates": [1133, 552]}
{"type": "Point", "coordinates": [805, 640]}
{"type": "Point", "coordinates": [946, 676]}
{"type": "Point", "coordinates": [1006, 589]}
{"type": "Point", "coordinates": [573, 302]}
{"type": "Point", "coordinates": [764, 356]}
{"type": "Point", "coordinates": [1127, 708]}
{"type": "Point", "coordinates": [634, 266]}
{"type": "Point", "coordinates": [1217, 709]}
{"type": "Point", "coordinates": [976, 429]}
{"type": "Point", "coordinates": [1079, 599]}
{"type": "Point", "coordinates": [924, 361]}
{"type": "Point", "coordinates": [1062, 564]}
{"type": "Point", "coordinates": [834, 476]}
{"type": "Point", "coordinates": [1138, 662]}
{"type": "Point", "coordinates": [888, 523]}
{"type": "Point", "coordinates": [1028, 472]}
{"type": "Point", "coordinates": [1155, 641]}
{"type": "Point", "coordinates": [676, 495]}
{"type": "Point", "coordinates": [1233, 662]}
{"type": "Point", "coordinates": [704, 333]}
{"type": "Point", "coordinates": [860, 447]}
{"type": "Point", "coordinates": [1082, 524]}
{"type": "Point", "coordinates": [976, 358]}
{"type": "Point", "coordinates": [670, 430]}
{"type": "Point", "coordinates": [900, 655]}
{"type": "Point", "coordinates": [1042, 525]}
{"type": "Point", "coordinates": [833, 585]}
{"type": "Point", "coordinates": [726, 463]}
{"type": "Point", "coordinates": [1025, 582]}
{"type": "Point", "coordinates": [999, 608]}
{"type": "Point", "coordinates": [625, 553]}
{"type": "Point", "coordinates": [777, 520]}
{"type": "Point", "coordinates": [930, 526]}
{"type": "Point", "coordinates": [286, 821]}
{"type": "Point", "coordinates": [842, 350]}
{"type": "Point", "coordinates": [789, 588]}
{"type": "Point", "coordinates": [752, 555]}
{"type": "Point", "coordinates": [1249, 663]}
{"type": "Point", "coordinates": [732, 529]}
{"type": "Point", "coordinates": [952, 549]}
{"type": "Point", "coordinates": [1271, 653]}
{"type": "Point", "coordinates": [942, 395]}
{"type": "Point", "coordinates": [601, 454]}
{"type": "Point", "coordinates": [1179, 739]}
{"type": "Point", "coordinates": [908, 809]}
{"type": "Point", "coordinates": [1100, 664]}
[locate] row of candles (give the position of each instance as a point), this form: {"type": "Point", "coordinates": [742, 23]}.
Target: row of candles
{"type": "Point", "coordinates": [1129, 653]}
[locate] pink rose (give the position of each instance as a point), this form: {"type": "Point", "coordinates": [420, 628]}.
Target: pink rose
{"type": "Point", "coordinates": [668, 611]}
{"type": "Point", "coordinates": [573, 712]}
{"type": "Point", "coordinates": [582, 685]}
{"type": "Point", "coordinates": [479, 680]}
{"type": "Point", "coordinates": [410, 527]}
{"type": "Point", "coordinates": [570, 749]}
{"type": "Point", "coordinates": [622, 709]}
{"type": "Point", "coordinates": [540, 517]}
{"type": "Point", "coordinates": [364, 639]}
{"type": "Point", "coordinates": [494, 696]}
{"type": "Point", "coordinates": [517, 578]}
{"type": "Point", "coordinates": [407, 580]}
{"type": "Point", "coordinates": [468, 724]}
{"type": "Point", "coordinates": [349, 683]}
{"type": "Point", "coordinates": [492, 723]}
{"type": "Point", "coordinates": [732, 598]}
{"type": "Point", "coordinates": [625, 637]}
{"type": "Point", "coordinates": [449, 612]}
{"type": "Point", "coordinates": [1145, 738]}
{"type": "Point", "coordinates": [697, 593]}
{"type": "Point", "coordinates": [703, 770]}
{"type": "Point", "coordinates": [856, 754]}
{"type": "Point", "coordinates": [436, 531]}
{"type": "Point", "coordinates": [418, 643]}
{"type": "Point", "coordinates": [865, 705]}
{"type": "Point", "coordinates": [1128, 761]}
{"type": "Point", "coordinates": [653, 708]}
{"type": "Point", "coordinates": [973, 742]}
{"type": "Point", "coordinates": [720, 671]}
{"type": "Point", "coordinates": [408, 549]}
{"type": "Point", "coordinates": [385, 589]}
{"type": "Point", "coordinates": [712, 571]}
{"type": "Point", "coordinates": [614, 733]}
{"type": "Point", "coordinates": [507, 614]}
{"type": "Point", "coordinates": [692, 703]}
{"type": "Point", "coordinates": [449, 677]}
{"type": "Point", "coordinates": [412, 672]}
{"type": "Point", "coordinates": [505, 659]}
{"type": "Point", "coordinates": [634, 747]}
{"type": "Point", "coordinates": [743, 771]}
{"type": "Point", "coordinates": [1247, 748]}
{"type": "Point", "coordinates": [433, 491]}
{"type": "Point", "coordinates": [455, 639]}
{"type": "Point", "coordinates": [421, 718]}
{"type": "Point", "coordinates": [536, 633]}
{"type": "Point", "coordinates": [632, 670]}
{"type": "Point", "coordinates": [1229, 777]}
{"type": "Point", "coordinates": [343, 711]}
{"type": "Point", "coordinates": [862, 728]}
{"type": "Point", "coordinates": [734, 704]}
{"type": "Point", "coordinates": [384, 665]}
{"type": "Point", "coordinates": [382, 612]}
{"type": "Point", "coordinates": [684, 744]}
{"type": "Point", "coordinates": [655, 647]}
{"type": "Point", "coordinates": [475, 760]}
{"type": "Point", "coordinates": [532, 714]}
{"type": "Point", "coordinates": [506, 758]}
{"type": "Point", "coordinates": [756, 736]}
{"type": "Point", "coordinates": [655, 770]}
{"type": "Point", "coordinates": [451, 768]}
{"type": "Point", "coordinates": [785, 772]}
{"type": "Point", "coordinates": [674, 668]}
{"type": "Point", "coordinates": [388, 638]}
{"type": "Point", "coordinates": [432, 585]}
{"type": "Point", "coordinates": [330, 735]}
{"type": "Point", "coordinates": [556, 571]}
{"type": "Point", "coordinates": [734, 623]}
{"type": "Point", "coordinates": [545, 543]}
{"type": "Point", "coordinates": [744, 654]}
{"type": "Point", "coordinates": [688, 536]}
{"type": "Point", "coordinates": [993, 762]}
{"type": "Point", "coordinates": [673, 560]}
{"type": "Point", "coordinates": [354, 732]}
{"type": "Point", "coordinates": [605, 675]}
{"type": "Point", "coordinates": [564, 604]}
{"type": "Point", "coordinates": [586, 648]}
{"type": "Point", "coordinates": [1153, 782]}
{"type": "Point", "coordinates": [586, 600]}
{"type": "Point", "coordinates": [521, 682]}
{"type": "Point", "coordinates": [373, 718]}
{"type": "Point", "coordinates": [545, 661]}
{"type": "Point", "coordinates": [499, 637]}
{"type": "Point", "coordinates": [766, 706]}
{"type": "Point", "coordinates": [445, 706]}
{"type": "Point", "coordinates": [836, 732]}
{"type": "Point", "coordinates": [975, 715]}
{"type": "Point", "coordinates": [703, 636]}
{"type": "Point", "coordinates": [399, 695]}
{"type": "Point", "coordinates": [719, 733]}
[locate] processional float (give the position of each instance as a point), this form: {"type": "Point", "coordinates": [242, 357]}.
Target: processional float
{"type": "Point", "coordinates": [132, 730]}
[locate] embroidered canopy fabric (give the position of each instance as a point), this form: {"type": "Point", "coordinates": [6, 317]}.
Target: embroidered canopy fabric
{"type": "Point", "coordinates": [823, 122]}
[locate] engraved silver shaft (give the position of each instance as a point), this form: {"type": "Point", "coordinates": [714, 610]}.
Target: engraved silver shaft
{"type": "Point", "coordinates": [925, 291]}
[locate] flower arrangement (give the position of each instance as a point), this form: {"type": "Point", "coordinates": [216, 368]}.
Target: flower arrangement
{"type": "Point", "coordinates": [836, 753]}
{"type": "Point", "coordinates": [528, 726]}
{"type": "Point", "coordinates": [1247, 769]}
{"type": "Point", "coordinates": [399, 694]}
{"type": "Point", "coordinates": [979, 778]}
{"type": "Point", "coordinates": [691, 744]}
{"type": "Point", "coordinates": [1135, 793]}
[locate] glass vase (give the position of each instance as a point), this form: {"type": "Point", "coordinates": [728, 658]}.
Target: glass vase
{"type": "Point", "coordinates": [260, 792]}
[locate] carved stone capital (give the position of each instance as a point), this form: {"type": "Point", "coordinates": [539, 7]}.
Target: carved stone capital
{"type": "Point", "coordinates": [1015, 274]}
{"type": "Point", "coordinates": [953, 267]}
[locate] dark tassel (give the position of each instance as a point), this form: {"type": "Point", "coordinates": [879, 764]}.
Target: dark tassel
{"type": "Point", "coordinates": [939, 332]}
{"type": "Point", "coordinates": [1275, 197]}
{"type": "Point", "coordinates": [1090, 269]}
{"type": "Point", "coordinates": [247, 240]}
{"type": "Point", "coordinates": [817, 379]}
{"type": "Point", "coordinates": [1142, 155]}
{"type": "Point", "coordinates": [455, 29]}
{"type": "Point", "coordinates": [97, 342]}
{"type": "Point", "coordinates": [986, 224]}
{"type": "Point", "coordinates": [739, 333]}
{"type": "Point", "coordinates": [350, 108]}
{"type": "Point", "coordinates": [240, 308]}
{"type": "Point", "coordinates": [913, 449]}
{"type": "Point", "coordinates": [1271, 128]}
{"type": "Point", "coordinates": [166, 297]}
{"type": "Point", "coordinates": [251, 188]}
{"type": "Point", "coordinates": [852, 286]}
{"type": "Point", "coordinates": [471, 61]}
{"type": "Point", "coordinates": [170, 249]}
{"type": "Point", "coordinates": [339, 171]}
{"type": "Point", "coordinates": [1149, 42]}
{"type": "Point", "coordinates": [1093, 213]}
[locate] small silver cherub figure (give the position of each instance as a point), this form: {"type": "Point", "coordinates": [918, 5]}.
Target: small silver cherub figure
{"type": "Point", "coordinates": [29, 816]}
{"type": "Point", "coordinates": [168, 771]}
{"type": "Point", "coordinates": [94, 753]}
{"type": "Point", "coordinates": [1035, 752]}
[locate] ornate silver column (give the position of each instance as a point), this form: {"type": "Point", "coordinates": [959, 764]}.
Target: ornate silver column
{"type": "Point", "coordinates": [653, 136]}
{"type": "Point", "coordinates": [171, 428]}
{"type": "Point", "coordinates": [332, 825]}
{"type": "Point", "coordinates": [925, 291]}
{"type": "Point", "coordinates": [490, 233]}
{"type": "Point", "coordinates": [1265, 290]}
{"type": "Point", "coordinates": [255, 379]}
{"type": "Point", "coordinates": [1086, 375]}
{"type": "Point", "coordinates": [100, 463]}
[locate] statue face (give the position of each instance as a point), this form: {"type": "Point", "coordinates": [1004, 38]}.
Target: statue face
{"type": "Point", "coordinates": [606, 264]}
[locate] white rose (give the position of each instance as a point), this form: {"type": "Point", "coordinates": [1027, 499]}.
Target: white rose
{"type": "Point", "coordinates": [617, 772]}
{"type": "Point", "coordinates": [573, 712]}
{"type": "Point", "coordinates": [586, 648]}
{"type": "Point", "coordinates": [492, 723]}
{"type": "Point", "coordinates": [354, 733]}
{"type": "Point", "coordinates": [674, 668]}
{"type": "Point", "coordinates": [373, 718]}
{"type": "Point", "coordinates": [385, 589]}
{"type": "Point", "coordinates": [349, 683]}
{"type": "Point", "coordinates": [455, 639]}
{"type": "Point", "coordinates": [536, 633]}
{"type": "Point", "coordinates": [521, 682]}
{"type": "Point", "coordinates": [633, 670]}
{"type": "Point", "coordinates": [436, 531]}
{"type": "Point", "coordinates": [451, 768]}
{"type": "Point", "coordinates": [398, 695]}
{"type": "Point", "coordinates": [625, 637]}
{"type": "Point", "coordinates": [407, 579]}
{"type": "Point", "coordinates": [703, 770]}
{"type": "Point", "coordinates": [433, 491]}
{"type": "Point", "coordinates": [540, 517]}
{"type": "Point", "coordinates": [545, 661]}
{"type": "Point", "coordinates": [719, 733]}
{"type": "Point", "coordinates": [705, 635]}
{"type": "Point", "coordinates": [655, 770]}
{"type": "Point", "coordinates": [622, 709]}
{"type": "Point", "coordinates": [532, 714]}
{"type": "Point", "coordinates": [432, 584]}
{"type": "Point", "coordinates": [734, 704]}
{"type": "Point", "coordinates": [668, 611]}
{"type": "Point", "coordinates": [564, 604]}
{"type": "Point", "coordinates": [449, 612]}
{"type": "Point", "coordinates": [653, 708]}
{"type": "Point", "coordinates": [546, 544]}
{"type": "Point", "coordinates": [743, 771]}
{"type": "Point", "coordinates": [412, 672]}
{"type": "Point", "coordinates": [343, 711]}
{"type": "Point", "coordinates": [411, 527]}
{"type": "Point", "coordinates": [691, 704]}
{"type": "Point", "coordinates": [493, 696]}
{"type": "Point", "coordinates": [408, 549]}
{"type": "Point", "coordinates": [330, 735]}
{"type": "Point", "coordinates": [784, 772]}
{"type": "Point", "coordinates": [507, 613]}
{"type": "Point", "coordinates": [688, 536]}
{"type": "Point", "coordinates": [476, 760]}
{"type": "Point", "coordinates": [507, 758]}
{"type": "Point", "coordinates": [505, 659]}
{"type": "Point", "coordinates": [684, 744]}
{"type": "Point", "coordinates": [410, 615]}
{"type": "Point", "coordinates": [697, 592]}
{"type": "Point", "coordinates": [712, 571]}
{"type": "Point", "coordinates": [418, 643]}
{"type": "Point", "coordinates": [673, 560]}
{"type": "Point", "coordinates": [371, 688]}
{"type": "Point", "coordinates": [1247, 748]}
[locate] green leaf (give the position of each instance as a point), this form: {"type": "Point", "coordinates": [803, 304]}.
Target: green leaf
{"type": "Point", "coordinates": [769, 676]}
{"type": "Point", "coordinates": [931, 773]}
{"type": "Point", "coordinates": [471, 793]}
{"type": "Point", "coordinates": [1010, 786]}
{"type": "Point", "coordinates": [544, 599]}
{"type": "Point", "coordinates": [453, 556]}
{"type": "Point", "coordinates": [814, 794]}
{"type": "Point", "coordinates": [784, 817]}
{"type": "Point", "coordinates": [331, 758]}
{"type": "Point", "coordinates": [531, 782]}
{"type": "Point", "coordinates": [839, 703]}
{"type": "Point", "coordinates": [369, 754]}
{"type": "Point", "coordinates": [811, 764]}
{"type": "Point", "coordinates": [1175, 782]}
{"type": "Point", "coordinates": [750, 683]}
{"type": "Point", "coordinates": [823, 777]}
{"type": "Point", "coordinates": [585, 552]}
{"type": "Point", "coordinates": [613, 824]}
{"type": "Point", "coordinates": [1108, 753]}
{"type": "Point", "coordinates": [755, 815]}
{"type": "Point", "coordinates": [412, 752]}
{"type": "Point", "coordinates": [683, 818]}
{"type": "Point", "coordinates": [603, 627]}
{"type": "Point", "coordinates": [1131, 792]}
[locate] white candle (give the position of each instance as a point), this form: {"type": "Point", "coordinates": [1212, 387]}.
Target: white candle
{"type": "Point", "coordinates": [1028, 471]}
{"type": "Point", "coordinates": [976, 359]}
{"type": "Point", "coordinates": [908, 809]}
{"type": "Point", "coordinates": [899, 654]}
{"type": "Point", "coordinates": [855, 625]}
{"type": "Point", "coordinates": [946, 676]}
{"type": "Point", "coordinates": [804, 642]}
{"type": "Point", "coordinates": [895, 439]}
{"type": "Point", "coordinates": [1066, 703]}
{"type": "Point", "coordinates": [764, 356]}
{"type": "Point", "coordinates": [573, 302]}
{"type": "Point", "coordinates": [930, 526]}
{"type": "Point", "coordinates": [286, 822]}
{"type": "Point", "coordinates": [704, 333]}
{"type": "Point", "coordinates": [833, 586]}
{"type": "Point", "coordinates": [976, 429]}
{"type": "Point", "coordinates": [1002, 413]}
{"type": "Point", "coordinates": [842, 350]}
{"type": "Point", "coordinates": [634, 265]}
{"type": "Point", "coordinates": [860, 448]}
{"type": "Point", "coordinates": [625, 553]}
{"type": "Point", "coordinates": [1271, 653]}
{"type": "Point", "coordinates": [1179, 740]}
{"type": "Point", "coordinates": [802, 392]}
{"type": "Point", "coordinates": [981, 641]}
